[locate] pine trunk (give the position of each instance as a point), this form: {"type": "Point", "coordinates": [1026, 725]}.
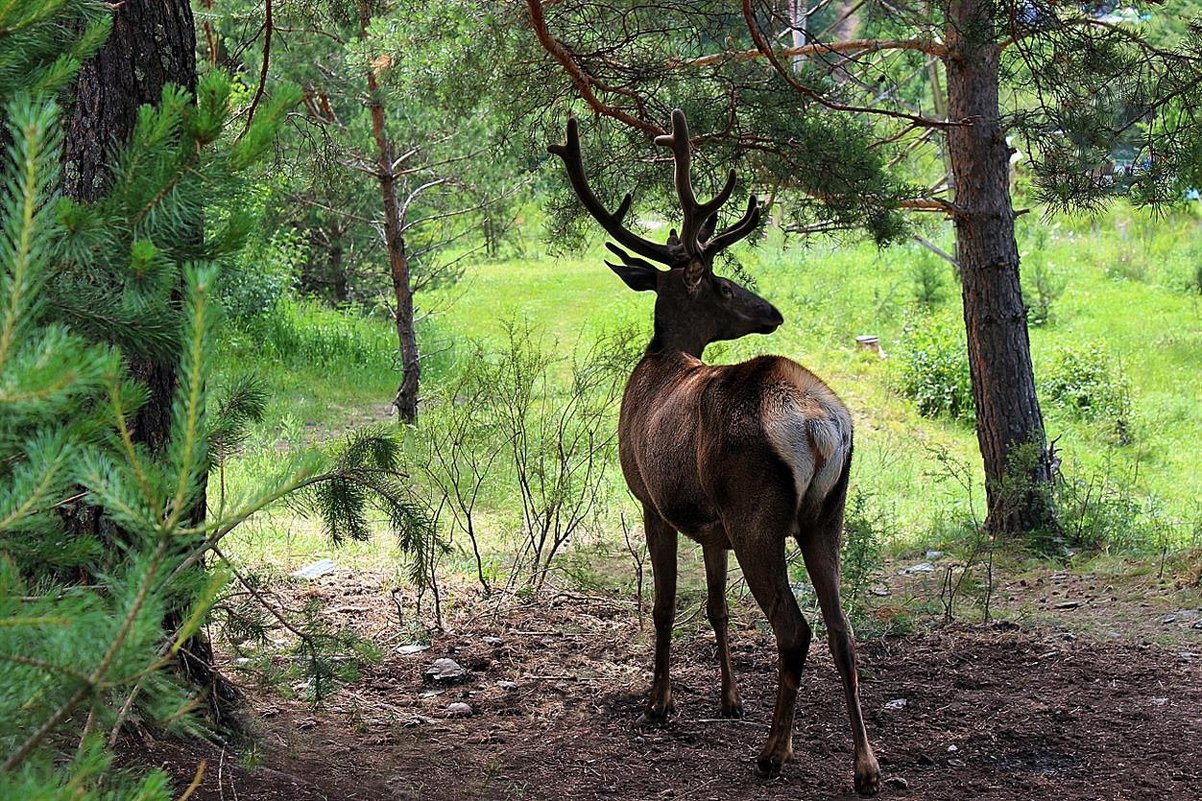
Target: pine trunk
{"type": "Point", "coordinates": [1018, 465]}
{"type": "Point", "coordinates": [398, 261]}
{"type": "Point", "coordinates": [153, 44]}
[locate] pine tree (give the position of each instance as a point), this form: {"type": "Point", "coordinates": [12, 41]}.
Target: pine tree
{"type": "Point", "coordinates": [856, 112]}
{"type": "Point", "coordinates": [91, 620]}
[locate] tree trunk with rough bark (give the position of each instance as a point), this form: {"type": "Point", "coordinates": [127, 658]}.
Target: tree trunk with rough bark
{"type": "Point", "coordinates": [1018, 464]}
{"type": "Point", "coordinates": [398, 261]}
{"type": "Point", "coordinates": [153, 43]}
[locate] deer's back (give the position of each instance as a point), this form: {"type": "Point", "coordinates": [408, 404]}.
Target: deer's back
{"type": "Point", "coordinates": [700, 438]}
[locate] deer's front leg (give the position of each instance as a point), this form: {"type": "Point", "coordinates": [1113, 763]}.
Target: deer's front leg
{"type": "Point", "coordinates": [715, 609]}
{"type": "Point", "coordinates": [661, 545]}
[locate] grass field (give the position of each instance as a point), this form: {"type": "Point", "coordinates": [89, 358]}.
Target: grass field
{"type": "Point", "coordinates": [1120, 324]}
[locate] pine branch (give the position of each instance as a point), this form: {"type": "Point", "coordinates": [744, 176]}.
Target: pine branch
{"type": "Point", "coordinates": [27, 215]}
{"type": "Point", "coordinates": [93, 679]}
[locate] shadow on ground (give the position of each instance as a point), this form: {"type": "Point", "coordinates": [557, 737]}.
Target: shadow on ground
{"type": "Point", "coordinates": [990, 712]}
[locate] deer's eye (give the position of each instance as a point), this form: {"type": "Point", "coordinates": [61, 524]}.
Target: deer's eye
{"type": "Point", "coordinates": [725, 290]}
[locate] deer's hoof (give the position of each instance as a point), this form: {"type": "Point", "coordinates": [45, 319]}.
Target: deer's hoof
{"type": "Point", "coordinates": [868, 779]}
{"type": "Point", "coordinates": [731, 709]}
{"type": "Point", "coordinates": [768, 767]}
{"type": "Point", "coordinates": [771, 761]}
{"type": "Point", "coordinates": [648, 721]}
{"type": "Point", "coordinates": [652, 717]}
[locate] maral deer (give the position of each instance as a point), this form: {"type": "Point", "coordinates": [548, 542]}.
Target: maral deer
{"type": "Point", "coordinates": [737, 457]}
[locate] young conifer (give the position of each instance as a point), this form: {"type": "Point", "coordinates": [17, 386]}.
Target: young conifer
{"type": "Point", "coordinates": [91, 620]}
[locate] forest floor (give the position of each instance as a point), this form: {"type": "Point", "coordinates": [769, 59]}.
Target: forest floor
{"type": "Point", "coordinates": [1095, 693]}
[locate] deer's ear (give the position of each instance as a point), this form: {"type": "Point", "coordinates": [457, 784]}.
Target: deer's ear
{"type": "Point", "coordinates": [640, 277]}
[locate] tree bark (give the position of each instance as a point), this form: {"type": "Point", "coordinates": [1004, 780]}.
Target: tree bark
{"type": "Point", "coordinates": [153, 44]}
{"type": "Point", "coordinates": [1018, 464]}
{"type": "Point", "coordinates": [398, 261]}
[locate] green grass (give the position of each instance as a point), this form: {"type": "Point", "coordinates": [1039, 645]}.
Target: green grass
{"type": "Point", "coordinates": [329, 369]}
{"type": "Point", "coordinates": [1125, 287]}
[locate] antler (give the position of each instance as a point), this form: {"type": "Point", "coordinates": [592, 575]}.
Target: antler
{"type": "Point", "coordinates": [612, 223]}
{"type": "Point", "coordinates": [700, 219]}
{"type": "Point", "coordinates": [728, 236]}
{"type": "Point", "coordinates": [696, 215]}
{"type": "Point", "coordinates": [697, 238]}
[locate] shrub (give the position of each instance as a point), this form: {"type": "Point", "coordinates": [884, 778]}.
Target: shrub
{"type": "Point", "coordinates": [928, 280]}
{"type": "Point", "coordinates": [933, 361]}
{"type": "Point", "coordinates": [526, 420]}
{"type": "Point", "coordinates": [1104, 511]}
{"type": "Point", "coordinates": [1084, 381]}
{"type": "Point", "coordinates": [264, 274]}
{"type": "Point", "coordinates": [1042, 287]}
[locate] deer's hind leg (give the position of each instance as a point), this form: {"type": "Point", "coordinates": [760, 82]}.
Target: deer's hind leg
{"type": "Point", "coordinates": [821, 553]}
{"type": "Point", "coordinates": [731, 706]}
{"type": "Point", "coordinates": [661, 546]}
{"type": "Point", "coordinates": [761, 554]}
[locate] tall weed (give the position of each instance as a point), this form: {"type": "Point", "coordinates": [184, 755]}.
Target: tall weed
{"type": "Point", "coordinates": [864, 531]}
{"type": "Point", "coordinates": [305, 332]}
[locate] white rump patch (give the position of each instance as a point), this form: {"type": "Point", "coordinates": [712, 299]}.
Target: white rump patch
{"type": "Point", "coordinates": [796, 439]}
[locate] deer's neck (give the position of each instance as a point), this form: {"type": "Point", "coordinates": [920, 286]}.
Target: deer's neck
{"type": "Point", "coordinates": [676, 339]}
{"type": "Point", "coordinates": [659, 374]}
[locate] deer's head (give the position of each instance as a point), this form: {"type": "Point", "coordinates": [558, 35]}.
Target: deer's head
{"type": "Point", "coordinates": [693, 306]}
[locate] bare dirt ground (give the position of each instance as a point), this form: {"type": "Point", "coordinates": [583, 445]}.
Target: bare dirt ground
{"type": "Point", "coordinates": [999, 711]}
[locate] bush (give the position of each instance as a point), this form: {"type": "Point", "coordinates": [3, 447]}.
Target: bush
{"type": "Point", "coordinates": [1104, 511]}
{"type": "Point", "coordinates": [1084, 381]}
{"type": "Point", "coordinates": [1042, 287]}
{"type": "Point", "coordinates": [934, 373]}
{"type": "Point", "coordinates": [306, 332]}
{"type": "Point", "coordinates": [264, 274]}
{"type": "Point", "coordinates": [928, 278]}
{"type": "Point", "coordinates": [536, 425]}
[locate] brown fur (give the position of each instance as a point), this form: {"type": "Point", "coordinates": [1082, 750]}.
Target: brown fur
{"type": "Point", "coordinates": [742, 457]}
{"type": "Point", "coordinates": [739, 457]}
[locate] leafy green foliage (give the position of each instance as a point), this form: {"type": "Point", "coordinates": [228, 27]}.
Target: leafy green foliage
{"type": "Point", "coordinates": [933, 369]}
{"type": "Point", "coordinates": [1084, 380]}
{"type": "Point", "coordinates": [264, 273]}
{"type": "Point", "coordinates": [47, 372]}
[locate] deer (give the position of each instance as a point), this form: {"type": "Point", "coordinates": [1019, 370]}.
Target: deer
{"type": "Point", "coordinates": [736, 457]}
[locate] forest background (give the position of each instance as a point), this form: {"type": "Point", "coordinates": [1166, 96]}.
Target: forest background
{"type": "Point", "coordinates": [327, 299]}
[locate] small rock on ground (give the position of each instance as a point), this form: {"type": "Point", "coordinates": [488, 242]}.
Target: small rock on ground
{"type": "Point", "coordinates": [459, 710]}
{"type": "Point", "coordinates": [446, 670]}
